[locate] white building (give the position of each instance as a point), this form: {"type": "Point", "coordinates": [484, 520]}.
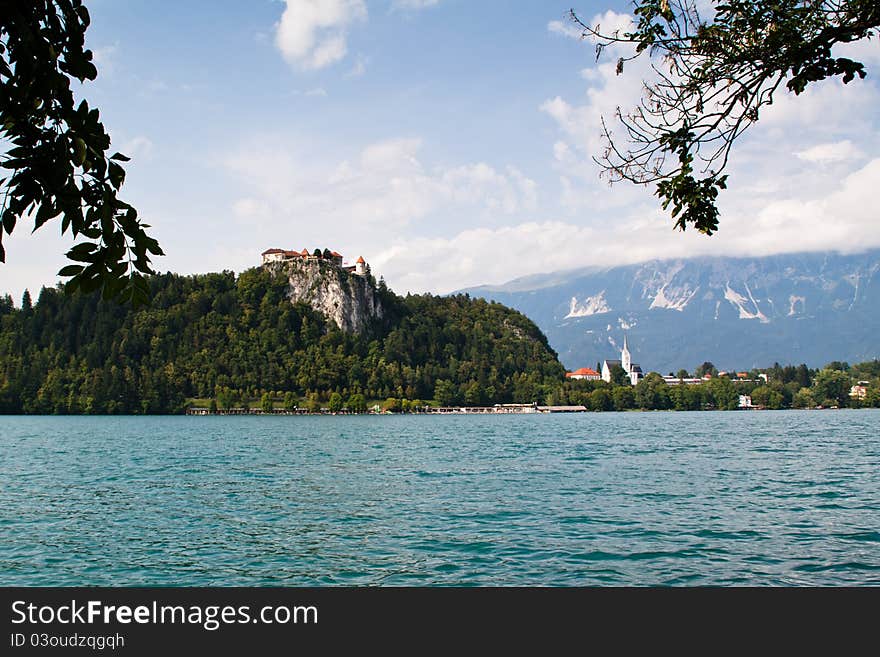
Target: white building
{"type": "Point", "coordinates": [633, 371]}
{"type": "Point", "coordinates": [584, 373]}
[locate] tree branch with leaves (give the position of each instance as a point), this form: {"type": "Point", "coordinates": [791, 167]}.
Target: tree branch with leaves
{"type": "Point", "coordinates": [57, 155]}
{"type": "Point", "coordinates": [712, 77]}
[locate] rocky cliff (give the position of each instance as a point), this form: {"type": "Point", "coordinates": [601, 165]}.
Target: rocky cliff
{"type": "Point", "coordinates": [347, 299]}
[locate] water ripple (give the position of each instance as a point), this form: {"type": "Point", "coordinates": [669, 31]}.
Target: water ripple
{"type": "Point", "coordinates": [679, 499]}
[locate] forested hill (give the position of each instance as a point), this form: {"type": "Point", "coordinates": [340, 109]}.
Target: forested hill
{"type": "Point", "coordinates": [239, 336]}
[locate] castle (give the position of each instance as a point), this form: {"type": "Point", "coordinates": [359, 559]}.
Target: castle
{"type": "Point", "coordinates": [360, 268]}
{"type": "Point", "coordinates": [633, 371]}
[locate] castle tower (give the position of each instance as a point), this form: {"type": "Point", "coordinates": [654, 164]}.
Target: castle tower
{"type": "Point", "coordinates": [625, 359]}
{"type": "Point", "coordinates": [360, 267]}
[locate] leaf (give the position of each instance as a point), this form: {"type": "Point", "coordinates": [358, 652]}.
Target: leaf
{"type": "Point", "coordinates": [120, 157]}
{"type": "Point", "coordinates": [70, 270]}
{"type": "Point", "coordinates": [117, 174]}
{"type": "Point", "coordinates": [79, 148]}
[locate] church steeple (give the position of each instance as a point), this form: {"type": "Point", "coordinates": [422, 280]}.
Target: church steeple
{"type": "Point", "coordinates": [625, 360]}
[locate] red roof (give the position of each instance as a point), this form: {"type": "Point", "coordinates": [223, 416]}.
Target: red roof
{"type": "Point", "coordinates": [335, 255]}
{"type": "Point", "coordinates": [269, 251]}
{"type": "Point", "coordinates": [304, 252]}
{"type": "Point", "coordinates": [584, 371]}
{"type": "Point", "coordinates": [361, 260]}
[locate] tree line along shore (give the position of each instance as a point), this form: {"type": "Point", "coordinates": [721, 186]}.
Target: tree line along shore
{"type": "Point", "coordinates": [221, 341]}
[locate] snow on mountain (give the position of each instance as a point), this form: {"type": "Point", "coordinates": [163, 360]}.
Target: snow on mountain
{"type": "Point", "coordinates": [736, 312]}
{"type": "Point", "coordinates": [593, 305]}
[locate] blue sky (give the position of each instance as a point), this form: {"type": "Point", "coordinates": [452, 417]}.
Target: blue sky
{"type": "Point", "coordinates": [446, 141]}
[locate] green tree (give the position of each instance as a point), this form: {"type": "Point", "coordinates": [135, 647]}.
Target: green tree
{"type": "Point", "coordinates": [600, 400]}
{"type": "Point", "coordinates": [313, 403]}
{"type": "Point", "coordinates": [391, 405]}
{"type": "Point", "coordinates": [58, 152]}
{"type": "Point", "coordinates": [706, 368]}
{"type": "Point", "coordinates": [335, 403]}
{"type": "Point", "coordinates": [225, 397]}
{"type": "Point", "coordinates": [803, 399]}
{"type": "Point", "coordinates": [652, 393]}
{"type": "Point", "coordinates": [619, 377]}
{"type": "Point", "coordinates": [831, 386]}
{"type": "Point", "coordinates": [624, 398]}
{"type": "Point", "coordinates": [290, 401]}
{"type": "Point", "coordinates": [356, 403]}
{"type": "Point", "coordinates": [716, 71]}
{"type": "Point", "coordinates": [767, 397]}
{"type": "Point", "coordinates": [266, 403]}
{"type": "Point", "coordinates": [473, 395]}
{"type": "Point", "coordinates": [444, 392]}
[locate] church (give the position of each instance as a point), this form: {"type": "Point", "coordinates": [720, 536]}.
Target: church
{"type": "Point", "coordinates": [633, 371]}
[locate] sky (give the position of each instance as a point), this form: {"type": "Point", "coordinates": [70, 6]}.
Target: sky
{"type": "Point", "coordinates": [448, 142]}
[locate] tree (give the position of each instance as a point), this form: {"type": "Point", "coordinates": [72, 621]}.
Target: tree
{"type": "Point", "coordinates": [706, 368]}
{"type": "Point", "coordinates": [713, 77]}
{"type": "Point", "coordinates": [652, 393]}
{"type": "Point", "coordinates": [58, 152]}
{"type": "Point", "coordinates": [831, 386]}
{"type": "Point", "coordinates": [619, 377]}
{"type": "Point", "coordinates": [266, 404]}
{"type": "Point", "coordinates": [600, 400]}
{"type": "Point", "coordinates": [803, 399]}
{"type": "Point", "coordinates": [444, 392]}
{"type": "Point", "coordinates": [767, 397]}
{"type": "Point", "coordinates": [356, 403]}
{"type": "Point", "coordinates": [624, 398]}
{"type": "Point", "coordinates": [391, 405]}
{"type": "Point", "coordinates": [335, 403]}
{"type": "Point", "coordinates": [290, 401]}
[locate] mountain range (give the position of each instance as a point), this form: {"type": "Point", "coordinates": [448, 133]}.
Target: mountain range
{"type": "Point", "coordinates": [738, 313]}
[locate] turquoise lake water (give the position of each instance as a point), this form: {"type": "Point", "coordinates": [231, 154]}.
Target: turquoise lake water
{"type": "Point", "coordinates": [735, 498]}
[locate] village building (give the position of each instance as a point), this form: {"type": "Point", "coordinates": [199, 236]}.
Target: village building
{"type": "Point", "coordinates": [271, 256]}
{"type": "Point", "coordinates": [675, 381]}
{"type": "Point", "coordinates": [859, 391]}
{"type": "Point", "coordinates": [632, 370]}
{"type": "Point", "coordinates": [584, 374]}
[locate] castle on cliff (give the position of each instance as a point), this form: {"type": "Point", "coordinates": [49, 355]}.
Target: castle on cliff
{"type": "Point", "coordinates": [360, 267]}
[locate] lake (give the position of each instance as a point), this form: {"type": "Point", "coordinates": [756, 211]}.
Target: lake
{"type": "Point", "coordinates": [709, 498]}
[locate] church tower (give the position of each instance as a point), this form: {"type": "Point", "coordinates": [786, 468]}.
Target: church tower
{"type": "Point", "coordinates": [625, 360]}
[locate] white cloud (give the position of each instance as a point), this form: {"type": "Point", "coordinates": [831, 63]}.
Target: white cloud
{"type": "Point", "coordinates": [105, 59]}
{"type": "Point", "coordinates": [838, 151]}
{"type": "Point", "coordinates": [312, 34]}
{"type": "Point", "coordinates": [319, 92]}
{"type": "Point", "coordinates": [496, 255]}
{"type": "Point", "coordinates": [357, 203]}
{"type": "Point", "coordinates": [565, 28]}
{"type": "Point", "coordinates": [138, 146]}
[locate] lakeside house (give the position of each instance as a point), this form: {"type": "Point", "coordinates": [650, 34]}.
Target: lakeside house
{"type": "Point", "coordinates": [583, 374]}
{"type": "Point", "coordinates": [859, 391]}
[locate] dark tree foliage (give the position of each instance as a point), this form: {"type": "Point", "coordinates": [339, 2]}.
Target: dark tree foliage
{"type": "Point", "coordinates": [234, 338]}
{"type": "Point", "coordinates": [58, 151]}
{"type": "Point", "coordinates": [714, 74]}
